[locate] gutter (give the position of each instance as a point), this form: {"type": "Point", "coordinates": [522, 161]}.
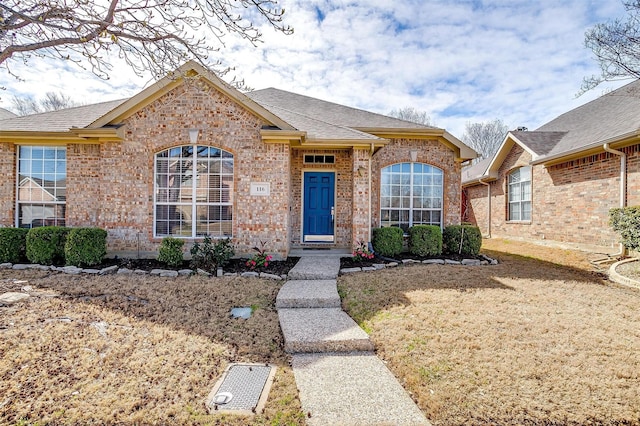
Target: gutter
{"type": "Point", "coordinates": [488, 185]}
{"type": "Point", "coordinates": [623, 184]}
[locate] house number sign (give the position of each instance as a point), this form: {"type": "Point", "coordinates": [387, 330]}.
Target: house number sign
{"type": "Point", "coordinates": [260, 189]}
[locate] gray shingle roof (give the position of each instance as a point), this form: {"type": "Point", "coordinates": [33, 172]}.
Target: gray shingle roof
{"type": "Point", "coordinates": [328, 112]}
{"type": "Point", "coordinates": [539, 142]}
{"type": "Point", "coordinates": [476, 170]}
{"type": "Point", "coordinates": [5, 113]}
{"type": "Point", "coordinates": [61, 120]}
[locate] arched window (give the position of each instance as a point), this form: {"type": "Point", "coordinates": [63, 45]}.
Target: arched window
{"type": "Point", "coordinates": [411, 194]}
{"type": "Point", "coordinates": [193, 192]}
{"type": "Point", "coordinates": [520, 194]}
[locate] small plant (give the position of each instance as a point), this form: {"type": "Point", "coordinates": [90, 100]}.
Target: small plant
{"type": "Point", "coordinates": [362, 253]}
{"type": "Point", "coordinates": [462, 240]}
{"type": "Point", "coordinates": [45, 245]}
{"type": "Point", "coordinates": [170, 252]}
{"type": "Point", "coordinates": [626, 222]}
{"type": "Point", "coordinates": [13, 244]}
{"type": "Point", "coordinates": [425, 240]}
{"type": "Point", "coordinates": [387, 241]}
{"type": "Point", "coordinates": [85, 246]}
{"type": "Point", "coordinates": [209, 256]}
{"type": "Point", "coordinates": [260, 260]}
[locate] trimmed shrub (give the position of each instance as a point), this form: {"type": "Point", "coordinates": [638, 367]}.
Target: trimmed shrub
{"type": "Point", "coordinates": [387, 241]}
{"type": "Point", "coordinates": [170, 252]}
{"type": "Point", "coordinates": [45, 245]}
{"type": "Point", "coordinates": [626, 222]}
{"type": "Point", "coordinates": [209, 256]}
{"type": "Point", "coordinates": [461, 239]}
{"type": "Point", "coordinates": [85, 246]}
{"type": "Point", "coordinates": [13, 244]}
{"type": "Point", "coordinates": [425, 240]}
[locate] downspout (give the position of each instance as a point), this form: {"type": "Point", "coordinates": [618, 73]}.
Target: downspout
{"type": "Point", "coordinates": [369, 173]}
{"type": "Point", "coordinates": [488, 185]}
{"type": "Point", "coordinates": [623, 185]}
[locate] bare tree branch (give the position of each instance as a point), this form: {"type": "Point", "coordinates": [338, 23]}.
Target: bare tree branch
{"type": "Point", "coordinates": [149, 35]}
{"type": "Point", "coordinates": [411, 114]}
{"type": "Point", "coordinates": [51, 102]}
{"type": "Point", "coordinates": [485, 137]}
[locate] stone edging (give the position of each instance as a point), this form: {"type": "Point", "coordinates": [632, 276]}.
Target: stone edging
{"type": "Point", "coordinates": [377, 266]}
{"type": "Point", "coordinates": [115, 269]}
{"type": "Point", "coordinates": [617, 278]}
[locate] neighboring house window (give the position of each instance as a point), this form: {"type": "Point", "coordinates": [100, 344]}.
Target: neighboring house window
{"type": "Point", "coordinates": [193, 192]}
{"type": "Point", "coordinates": [520, 194]}
{"type": "Point", "coordinates": [411, 194]}
{"type": "Point", "coordinates": [42, 186]}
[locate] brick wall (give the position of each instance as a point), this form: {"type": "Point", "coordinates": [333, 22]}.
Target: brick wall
{"type": "Point", "coordinates": [7, 185]}
{"type": "Point", "coordinates": [430, 152]}
{"type": "Point", "coordinates": [570, 201]}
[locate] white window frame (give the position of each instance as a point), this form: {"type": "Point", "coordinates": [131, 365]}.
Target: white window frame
{"type": "Point", "coordinates": [193, 203]}
{"type": "Point", "coordinates": [435, 173]}
{"type": "Point", "coordinates": [519, 194]}
{"type": "Point", "coordinates": [51, 173]}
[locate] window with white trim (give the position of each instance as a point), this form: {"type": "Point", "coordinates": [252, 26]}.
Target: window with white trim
{"type": "Point", "coordinates": [519, 190]}
{"type": "Point", "coordinates": [411, 194]}
{"type": "Point", "coordinates": [42, 186]}
{"type": "Point", "coordinates": [193, 194]}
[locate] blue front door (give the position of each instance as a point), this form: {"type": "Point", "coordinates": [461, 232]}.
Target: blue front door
{"type": "Point", "coordinates": [318, 215]}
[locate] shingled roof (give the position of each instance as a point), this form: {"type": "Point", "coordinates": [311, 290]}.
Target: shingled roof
{"type": "Point", "coordinates": [4, 114]}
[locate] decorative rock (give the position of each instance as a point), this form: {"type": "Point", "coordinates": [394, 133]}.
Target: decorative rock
{"type": "Point", "coordinates": [6, 265]}
{"type": "Point", "coordinates": [379, 265]}
{"type": "Point", "coordinates": [185, 272]}
{"type": "Point", "coordinates": [470, 262]}
{"type": "Point", "coordinates": [140, 272]}
{"type": "Point", "coordinates": [219, 272]}
{"type": "Point", "coordinates": [168, 273]}
{"type": "Point", "coordinates": [91, 271]}
{"type": "Point", "coordinates": [368, 268]}
{"type": "Point", "coordinates": [451, 262]}
{"type": "Point", "coordinates": [124, 271]}
{"type": "Point", "coordinates": [203, 272]}
{"type": "Point", "coordinates": [407, 261]}
{"type": "Point", "coordinates": [20, 266]}
{"type": "Point", "coordinates": [350, 270]}
{"type": "Point", "coordinates": [270, 276]}
{"type": "Point", "coordinates": [249, 274]}
{"type": "Point", "coordinates": [74, 270]}
{"type": "Point", "coordinates": [433, 261]}
{"type": "Point", "coordinates": [109, 270]}
{"type": "Point", "coordinates": [40, 267]}
{"type": "Point", "coordinates": [392, 264]}
{"type": "Point", "coordinates": [230, 274]}
{"type": "Point", "coordinates": [26, 288]}
{"type": "Point", "coordinates": [12, 297]}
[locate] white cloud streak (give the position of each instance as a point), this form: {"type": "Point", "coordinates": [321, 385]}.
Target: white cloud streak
{"type": "Point", "coordinates": [461, 61]}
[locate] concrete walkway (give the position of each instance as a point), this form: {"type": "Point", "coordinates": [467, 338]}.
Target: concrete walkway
{"type": "Point", "coordinates": [340, 379]}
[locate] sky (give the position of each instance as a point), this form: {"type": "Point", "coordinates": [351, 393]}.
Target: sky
{"type": "Point", "coordinates": [463, 61]}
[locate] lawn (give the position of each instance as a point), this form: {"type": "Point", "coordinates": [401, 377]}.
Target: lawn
{"type": "Point", "coordinates": [523, 342]}
{"type": "Point", "coordinates": [135, 350]}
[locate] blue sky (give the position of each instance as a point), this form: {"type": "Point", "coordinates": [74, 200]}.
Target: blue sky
{"type": "Point", "coordinates": [461, 61]}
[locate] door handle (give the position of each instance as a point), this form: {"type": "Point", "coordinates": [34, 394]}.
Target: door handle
{"type": "Point", "coordinates": [333, 212]}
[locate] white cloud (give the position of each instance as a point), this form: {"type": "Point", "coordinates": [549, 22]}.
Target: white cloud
{"type": "Point", "coordinates": [463, 61]}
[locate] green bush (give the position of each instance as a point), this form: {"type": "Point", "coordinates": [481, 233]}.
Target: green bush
{"type": "Point", "coordinates": [425, 240]}
{"type": "Point", "coordinates": [461, 239]}
{"type": "Point", "coordinates": [626, 222]}
{"type": "Point", "coordinates": [387, 241]}
{"type": "Point", "coordinates": [170, 252]}
{"type": "Point", "coordinates": [209, 256]}
{"type": "Point", "coordinates": [45, 245]}
{"type": "Point", "coordinates": [85, 246]}
{"type": "Point", "coordinates": [13, 244]}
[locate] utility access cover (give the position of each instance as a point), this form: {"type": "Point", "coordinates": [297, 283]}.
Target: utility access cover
{"type": "Point", "coordinates": [242, 389]}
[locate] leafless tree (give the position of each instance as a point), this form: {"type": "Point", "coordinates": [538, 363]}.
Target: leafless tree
{"type": "Point", "coordinates": [485, 137]}
{"type": "Point", "coordinates": [411, 114]}
{"type": "Point", "coordinates": [616, 46]}
{"type": "Point", "coordinates": [154, 36]}
{"type": "Point", "coordinates": [51, 102]}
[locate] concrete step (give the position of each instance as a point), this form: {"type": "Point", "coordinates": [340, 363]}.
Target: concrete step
{"type": "Point", "coordinates": [321, 330]}
{"type": "Point", "coordinates": [308, 294]}
{"type": "Point", "coordinates": [315, 268]}
{"type": "Point", "coordinates": [352, 389]}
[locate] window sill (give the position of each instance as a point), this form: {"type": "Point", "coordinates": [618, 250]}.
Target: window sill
{"type": "Point", "coordinates": [519, 222]}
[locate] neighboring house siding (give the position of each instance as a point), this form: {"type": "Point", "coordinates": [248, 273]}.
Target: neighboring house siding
{"type": "Point", "coordinates": [570, 201]}
{"type": "Point", "coordinates": [7, 184]}
{"type": "Point", "coordinates": [430, 152]}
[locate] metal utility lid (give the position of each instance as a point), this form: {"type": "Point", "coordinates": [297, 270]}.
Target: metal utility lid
{"type": "Point", "coordinates": [242, 389]}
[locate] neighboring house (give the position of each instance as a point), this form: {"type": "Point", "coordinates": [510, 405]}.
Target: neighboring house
{"type": "Point", "coordinates": [4, 114]}
{"type": "Point", "coordinates": [560, 181]}
{"type": "Point", "coordinates": [191, 156]}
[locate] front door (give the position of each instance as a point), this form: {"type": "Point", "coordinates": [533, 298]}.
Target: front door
{"type": "Point", "coordinates": [318, 212]}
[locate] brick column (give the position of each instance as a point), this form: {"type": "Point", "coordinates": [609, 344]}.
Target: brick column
{"type": "Point", "coordinates": [8, 184]}
{"type": "Point", "coordinates": [360, 196]}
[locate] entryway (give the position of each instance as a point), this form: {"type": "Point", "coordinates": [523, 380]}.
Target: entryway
{"type": "Point", "coordinates": [318, 213]}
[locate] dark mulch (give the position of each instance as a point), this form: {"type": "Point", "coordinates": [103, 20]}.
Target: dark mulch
{"type": "Point", "coordinates": [349, 262]}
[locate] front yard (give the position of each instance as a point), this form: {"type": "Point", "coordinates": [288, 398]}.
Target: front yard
{"type": "Point", "coordinates": [523, 342]}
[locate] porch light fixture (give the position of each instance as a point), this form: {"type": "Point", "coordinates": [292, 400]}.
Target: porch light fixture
{"type": "Point", "coordinates": [414, 156]}
{"type": "Point", "coordinates": [193, 136]}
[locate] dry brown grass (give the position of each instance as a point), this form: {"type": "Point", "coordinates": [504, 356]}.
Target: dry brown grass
{"type": "Point", "coordinates": [135, 350]}
{"type": "Point", "coordinates": [523, 342]}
